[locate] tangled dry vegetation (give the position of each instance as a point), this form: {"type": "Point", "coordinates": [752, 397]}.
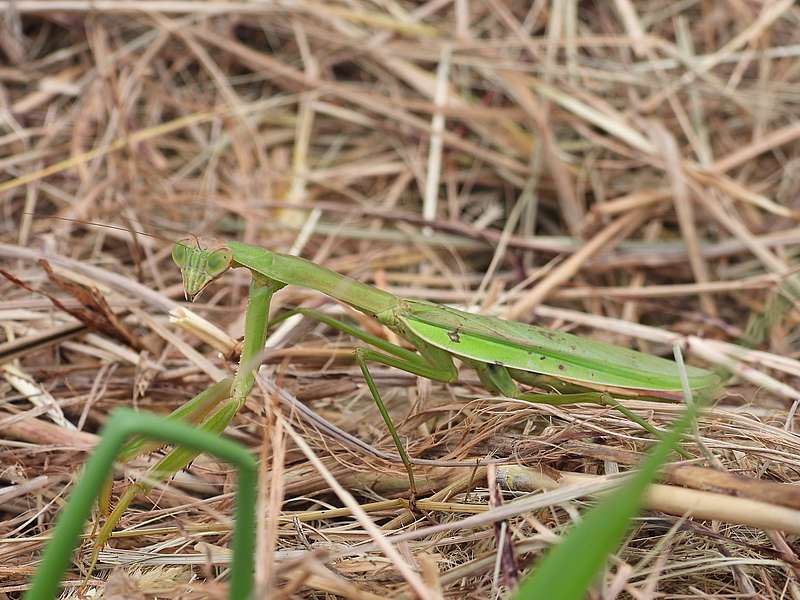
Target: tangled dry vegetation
{"type": "Point", "coordinates": [590, 166]}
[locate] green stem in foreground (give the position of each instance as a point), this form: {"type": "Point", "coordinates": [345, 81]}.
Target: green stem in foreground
{"type": "Point", "coordinates": [122, 425]}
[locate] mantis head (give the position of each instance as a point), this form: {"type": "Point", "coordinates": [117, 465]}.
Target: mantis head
{"type": "Point", "coordinates": [199, 266]}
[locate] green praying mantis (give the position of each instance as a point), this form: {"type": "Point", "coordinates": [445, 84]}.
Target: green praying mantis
{"type": "Point", "coordinates": [504, 354]}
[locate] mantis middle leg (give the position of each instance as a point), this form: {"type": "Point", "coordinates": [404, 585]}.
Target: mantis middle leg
{"type": "Point", "coordinates": [428, 361]}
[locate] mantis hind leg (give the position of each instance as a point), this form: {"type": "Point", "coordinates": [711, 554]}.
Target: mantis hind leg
{"type": "Point", "coordinates": [497, 378]}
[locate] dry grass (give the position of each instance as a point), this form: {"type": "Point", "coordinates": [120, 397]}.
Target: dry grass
{"type": "Point", "coordinates": [588, 166]}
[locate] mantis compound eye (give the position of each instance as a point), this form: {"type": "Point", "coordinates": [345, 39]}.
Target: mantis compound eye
{"type": "Point", "coordinates": [218, 262]}
{"type": "Point", "coordinates": [180, 253]}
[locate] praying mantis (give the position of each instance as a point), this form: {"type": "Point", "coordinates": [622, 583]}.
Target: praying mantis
{"type": "Point", "coordinates": [504, 354]}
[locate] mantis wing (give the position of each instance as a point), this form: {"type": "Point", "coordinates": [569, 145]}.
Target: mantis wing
{"type": "Point", "coordinates": [546, 351]}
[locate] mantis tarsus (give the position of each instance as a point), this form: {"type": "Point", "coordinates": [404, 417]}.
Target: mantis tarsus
{"type": "Point", "coordinates": [503, 353]}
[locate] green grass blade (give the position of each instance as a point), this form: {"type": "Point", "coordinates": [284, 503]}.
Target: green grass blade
{"type": "Point", "coordinates": [567, 571]}
{"type": "Point", "coordinates": [120, 427]}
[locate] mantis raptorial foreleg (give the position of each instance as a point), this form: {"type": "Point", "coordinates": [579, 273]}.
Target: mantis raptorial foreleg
{"type": "Point", "coordinates": [121, 426]}
{"type": "Point", "coordinates": [231, 394]}
{"type": "Point", "coordinates": [162, 470]}
{"type": "Point", "coordinates": [193, 412]}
